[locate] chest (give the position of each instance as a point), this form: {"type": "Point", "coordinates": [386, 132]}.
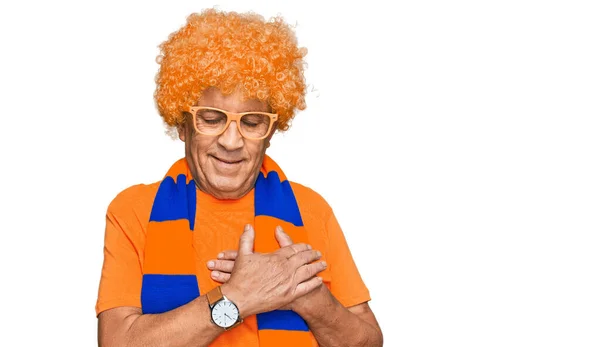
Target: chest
{"type": "Point", "coordinates": [216, 231]}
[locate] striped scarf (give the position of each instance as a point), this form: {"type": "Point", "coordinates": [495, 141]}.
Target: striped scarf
{"type": "Point", "coordinates": [169, 279]}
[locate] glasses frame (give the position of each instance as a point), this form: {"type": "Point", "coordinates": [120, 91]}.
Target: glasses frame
{"type": "Point", "coordinates": [233, 116]}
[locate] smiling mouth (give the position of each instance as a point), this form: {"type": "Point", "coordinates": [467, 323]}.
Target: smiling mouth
{"type": "Point", "coordinates": [228, 161]}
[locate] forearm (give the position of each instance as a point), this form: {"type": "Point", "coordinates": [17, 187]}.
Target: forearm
{"type": "Point", "coordinates": [334, 325]}
{"type": "Point", "coordinates": [188, 325]}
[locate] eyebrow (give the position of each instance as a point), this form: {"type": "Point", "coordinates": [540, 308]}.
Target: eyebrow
{"type": "Point", "coordinates": [243, 110]}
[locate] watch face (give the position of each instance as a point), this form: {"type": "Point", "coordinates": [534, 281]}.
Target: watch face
{"type": "Point", "coordinates": [225, 314]}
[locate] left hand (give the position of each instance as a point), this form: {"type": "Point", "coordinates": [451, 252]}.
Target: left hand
{"type": "Point", "coordinates": [222, 266]}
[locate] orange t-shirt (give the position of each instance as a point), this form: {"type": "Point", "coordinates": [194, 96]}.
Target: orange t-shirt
{"type": "Point", "coordinates": [219, 226]}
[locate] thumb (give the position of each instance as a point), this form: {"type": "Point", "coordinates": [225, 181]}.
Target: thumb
{"type": "Point", "coordinates": [283, 238]}
{"type": "Point", "coordinates": [247, 240]}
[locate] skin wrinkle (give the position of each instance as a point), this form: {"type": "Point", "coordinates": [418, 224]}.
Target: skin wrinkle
{"type": "Point", "coordinates": [202, 150]}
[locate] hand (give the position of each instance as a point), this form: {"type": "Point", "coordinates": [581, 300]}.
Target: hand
{"type": "Point", "coordinates": [223, 265]}
{"type": "Point", "coordinates": [301, 302]}
{"type": "Point", "coordinates": [264, 282]}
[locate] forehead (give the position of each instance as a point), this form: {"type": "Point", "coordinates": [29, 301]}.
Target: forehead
{"type": "Point", "coordinates": [234, 102]}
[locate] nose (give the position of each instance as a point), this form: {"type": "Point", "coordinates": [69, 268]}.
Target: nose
{"type": "Point", "coordinates": [231, 139]}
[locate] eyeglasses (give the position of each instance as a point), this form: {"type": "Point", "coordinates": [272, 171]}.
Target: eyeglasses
{"type": "Point", "coordinates": [213, 121]}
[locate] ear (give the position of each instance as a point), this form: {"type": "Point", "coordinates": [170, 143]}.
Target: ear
{"type": "Point", "coordinates": [181, 130]}
{"type": "Point", "coordinates": [268, 138]}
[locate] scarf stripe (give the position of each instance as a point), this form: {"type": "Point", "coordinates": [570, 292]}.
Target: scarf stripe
{"type": "Point", "coordinates": [281, 320]}
{"type": "Point", "coordinates": [169, 266]}
{"type": "Point", "coordinates": [171, 199]}
{"type": "Point", "coordinates": [169, 279]}
{"type": "Point", "coordinates": [274, 197]}
{"type": "Point", "coordinates": [275, 204]}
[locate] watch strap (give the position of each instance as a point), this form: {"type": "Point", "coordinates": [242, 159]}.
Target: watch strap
{"type": "Point", "coordinates": [214, 295]}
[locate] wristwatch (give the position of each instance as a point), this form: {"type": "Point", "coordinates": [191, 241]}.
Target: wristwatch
{"type": "Point", "coordinates": [223, 312]}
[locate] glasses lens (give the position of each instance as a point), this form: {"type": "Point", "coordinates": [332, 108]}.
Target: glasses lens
{"type": "Point", "coordinates": [210, 122]}
{"type": "Point", "coordinates": [255, 125]}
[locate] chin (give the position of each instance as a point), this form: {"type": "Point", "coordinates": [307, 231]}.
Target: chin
{"type": "Point", "coordinates": [229, 195]}
{"type": "Point", "coordinates": [228, 190]}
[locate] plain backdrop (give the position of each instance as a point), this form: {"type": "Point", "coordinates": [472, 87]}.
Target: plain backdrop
{"type": "Point", "coordinates": [457, 141]}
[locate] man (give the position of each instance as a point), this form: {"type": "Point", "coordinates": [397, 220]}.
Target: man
{"type": "Point", "coordinates": [225, 251]}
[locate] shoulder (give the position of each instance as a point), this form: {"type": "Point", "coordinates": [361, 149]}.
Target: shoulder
{"type": "Point", "coordinates": [134, 198]}
{"type": "Point", "coordinates": [310, 202]}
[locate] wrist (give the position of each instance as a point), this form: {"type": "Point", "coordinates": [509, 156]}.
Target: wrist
{"type": "Point", "coordinates": [232, 293]}
{"type": "Point", "coordinates": [312, 302]}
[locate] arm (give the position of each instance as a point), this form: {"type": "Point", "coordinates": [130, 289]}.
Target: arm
{"type": "Point", "coordinates": [120, 319]}
{"type": "Point", "coordinates": [267, 281]}
{"type": "Point", "coordinates": [188, 325]}
{"type": "Point", "coordinates": [330, 321]}
{"type": "Point", "coordinates": [332, 324]}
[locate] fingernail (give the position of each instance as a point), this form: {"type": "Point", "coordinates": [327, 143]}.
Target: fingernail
{"type": "Point", "coordinates": [309, 246]}
{"type": "Point", "coordinates": [318, 254]}
{"type": "Point", "coordinates": [324, 264]}
{"type": "Point", "coordinates": [211, 264]}
{"type": "Point", "coordinates": [320, 279]}
{"type": "Point", "coordinates": [278, 228]}
{"type": "Point", "coordinates": [215, 274]}
{"type": "Point", "coordinates": [247, 227]}
{"type": "Point", "coordinates": [220, 255]}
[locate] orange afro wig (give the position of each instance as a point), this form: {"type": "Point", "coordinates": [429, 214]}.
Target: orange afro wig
{"type": "Point", "coordinates": [229, 50]}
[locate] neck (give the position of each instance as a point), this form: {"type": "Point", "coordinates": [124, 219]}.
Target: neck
{"type": "Point", "coordinates": [224, 195]}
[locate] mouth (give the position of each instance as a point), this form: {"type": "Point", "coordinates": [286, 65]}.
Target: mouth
{"type": "Point", "coordinates": [228, 161]}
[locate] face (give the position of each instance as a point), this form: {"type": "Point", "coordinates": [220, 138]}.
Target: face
{"type": "Point", "coordinates": [224, 166]}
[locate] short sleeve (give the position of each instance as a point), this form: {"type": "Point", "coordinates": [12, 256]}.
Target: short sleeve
{"type": "Point", "coordinates": [346, 283]}
{"type": "Point", "coordinates": [121, 278]}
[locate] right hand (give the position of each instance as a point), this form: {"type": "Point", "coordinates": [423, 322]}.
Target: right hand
{"type": "Point", "coordinates": [265, 282]}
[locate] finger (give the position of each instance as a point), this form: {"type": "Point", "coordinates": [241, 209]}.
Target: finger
{"type": "Point", "coordinates": [305, 257]}
{"type": "Point", "coordinates": [228, 255]}
{"type": "Point", "coordinates": [220, 276]}
{"type": "Point", "coordinates": [308, 271]}
{"type": "Point", "coordinates": [294, 249]}
{"type": "Point", "coordinates": [221, 265]}
{"type": "Point", "coordinates": [247, 240]}
{"type": "Point", "coordinates": [307, 286]}
{"type": "Point", "coordinates": [283, 238]}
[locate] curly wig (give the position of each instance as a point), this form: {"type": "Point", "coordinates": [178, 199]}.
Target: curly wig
{"type": "Point", "coordinates": [228, 50]}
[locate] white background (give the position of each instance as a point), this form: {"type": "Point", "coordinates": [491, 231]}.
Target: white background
{"type": "Point", "coordinates": [457, 142]}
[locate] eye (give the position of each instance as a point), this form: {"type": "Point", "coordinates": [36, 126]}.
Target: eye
{"type": "Point", "coordinates": [250, 124]}
{"type": "Point", "coordinates": [254, 120]}
{"type": "Point", "coordinates": [211, 116]}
